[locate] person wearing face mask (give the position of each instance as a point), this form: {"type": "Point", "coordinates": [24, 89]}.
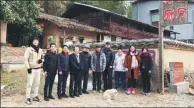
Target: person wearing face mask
{"type": "Point", "coordinates": [50, 69]}
{"type": "Point", "coordinates": [87, 65]}
{"type": "Point", "coordinates": [145, 67]}
{"type": "Point", "coordinates": [132, 64]}
{"type": "Point", "coordinates": [33, 59]}
{"type": "Point", "coordinates": [119, 69]}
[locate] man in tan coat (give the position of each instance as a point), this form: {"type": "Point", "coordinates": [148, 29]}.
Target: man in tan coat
{"type": "Point", "coordinates": [33, 61]}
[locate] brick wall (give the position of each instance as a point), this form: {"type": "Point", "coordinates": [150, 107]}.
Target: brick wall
{"type": "Point", "coordinates": [12, 55]}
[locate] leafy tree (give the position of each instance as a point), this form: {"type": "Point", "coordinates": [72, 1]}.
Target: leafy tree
{"type": "Point", "coordinates": [17, 11]}
{"type": "Point", "coordinates": [52, 7]}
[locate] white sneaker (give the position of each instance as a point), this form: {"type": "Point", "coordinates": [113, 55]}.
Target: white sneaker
{"type": "Point", "coordinates": [28, 101]}
{"type": "Point", "coordinates": [147, 94]}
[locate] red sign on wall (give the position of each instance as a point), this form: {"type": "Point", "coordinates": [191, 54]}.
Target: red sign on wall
{"type": "Point", "coordinates": [175, 12]}
{"type": "Point", "coordinates": [176, 72]}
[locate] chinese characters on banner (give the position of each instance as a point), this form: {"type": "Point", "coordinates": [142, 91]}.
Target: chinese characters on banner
{"type": "Point", "coordinates": [175, 12]}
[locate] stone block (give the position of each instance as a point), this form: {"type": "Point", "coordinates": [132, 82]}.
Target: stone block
{"type": "Point", "coordinates": [179, 88]}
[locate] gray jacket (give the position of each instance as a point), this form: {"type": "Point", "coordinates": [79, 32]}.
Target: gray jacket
{"type": "Point", "coordinates": [102, 62]}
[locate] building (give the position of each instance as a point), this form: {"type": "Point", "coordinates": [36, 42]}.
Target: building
{"type": "Point", "coordinates": [58, 29]}
{"type": "Point", "coordinates": [119, 26]}
{"type": "Point", "coordinates": [147, 11]}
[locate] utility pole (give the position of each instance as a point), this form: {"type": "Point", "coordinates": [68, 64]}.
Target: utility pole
{"type": "Point", "coordinates": [161, 47]}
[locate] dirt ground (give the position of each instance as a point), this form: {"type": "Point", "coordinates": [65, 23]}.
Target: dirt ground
{"type": "Point", "coordinates": [13, 95]}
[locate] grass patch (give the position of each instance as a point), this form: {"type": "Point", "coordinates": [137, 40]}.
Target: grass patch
{"type": "Point", "coordinates": [15, 82]}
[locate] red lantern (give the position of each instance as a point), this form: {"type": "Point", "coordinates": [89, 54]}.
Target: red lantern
{"type": "Point", "coordinates": [41, 25]}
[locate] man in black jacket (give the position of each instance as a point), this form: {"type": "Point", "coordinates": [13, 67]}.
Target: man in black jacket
{"type": "Point", "coordinates": [76, 66]}
{"type": "Point", "coordinates": [87, 65]}
{"type": "Point", "coordinates": [50, 69]}
{"type": "Point", "coordinates": [63, 70]}
{"type": "Point", "coordinates": [107, 74]}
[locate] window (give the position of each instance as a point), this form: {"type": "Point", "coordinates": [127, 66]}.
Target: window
{"type": "Point", "coordinates": [154, 17]}
{"type": "Point", "coordinates": [171, 27]}
{"type": "Point", "coordinates": [81, 39]}
{"type": "Point", "coordinates": [113, 38]}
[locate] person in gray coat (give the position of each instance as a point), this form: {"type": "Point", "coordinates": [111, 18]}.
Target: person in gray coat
{"type": "Point", "coordinates": [98, 65]}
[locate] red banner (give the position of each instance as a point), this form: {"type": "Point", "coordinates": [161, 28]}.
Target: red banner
{"type": "Point", "coordinates": [175, 12]}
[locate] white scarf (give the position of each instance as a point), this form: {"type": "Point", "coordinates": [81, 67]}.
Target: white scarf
{"type": "Point", "coordinates": [134, 63]}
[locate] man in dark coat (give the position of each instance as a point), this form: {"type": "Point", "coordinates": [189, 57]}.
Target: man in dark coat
{"type": "Point", "coordinates": [76, 66]}
{"type": "Point", "coordinates": [63, 70]}
{"type": "Point", "coordinates": [50, 69]}
{"type": "Point", "coordinates": [107, 74]}
{"type": "Point", "coordinates": [87, 65]}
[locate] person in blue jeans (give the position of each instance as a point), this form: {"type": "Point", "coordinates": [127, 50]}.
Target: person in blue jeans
{"type": "Point", "coordinates": [119, 69]}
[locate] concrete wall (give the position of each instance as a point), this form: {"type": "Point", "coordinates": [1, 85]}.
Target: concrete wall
{"type": "Point", "coordinates": [118, 39]}
{"type": "Point", "coordinates": [141, 11]}
{"type": "Point", "coordinates": [173, 55]}
{"type": "Point", "coordinates": [107, 38]}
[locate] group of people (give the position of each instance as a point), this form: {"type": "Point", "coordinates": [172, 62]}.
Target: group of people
{"type": "Point", "coordinates": [102, 63]}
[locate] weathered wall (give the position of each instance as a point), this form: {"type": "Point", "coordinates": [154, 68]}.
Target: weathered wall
{"type": "Point", "coordinates": [53, 30]}
{"type": "Point", "coordinates": [89, 36]}
{"type": "Point", "coordinates": [174, 55]}
{"type": "Point", "coordinates": [11, 58]}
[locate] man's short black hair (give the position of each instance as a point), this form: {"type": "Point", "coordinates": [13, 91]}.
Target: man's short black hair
{"type": "Point", "coordinates": [120, 48]}
{"type": "Point", "coordinates": [52, 44]}
{"type": "Point", "coordinates": [75, 47]}
{"type": "Point", "coordinates": [64, 46]}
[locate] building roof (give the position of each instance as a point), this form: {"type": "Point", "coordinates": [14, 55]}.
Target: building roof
{"type": "Point", "coordinates": [113, 13]}
{"type": "Point", "coordinates": [138, 1]}
{"type": "Point", "coordinates": [69, 23]}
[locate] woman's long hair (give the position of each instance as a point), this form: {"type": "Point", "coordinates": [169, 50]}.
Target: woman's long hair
{"type": "Point", "coordinates": [128, 53]}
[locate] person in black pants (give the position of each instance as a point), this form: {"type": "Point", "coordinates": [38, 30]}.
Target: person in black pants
{"type": "Point", "coordinates": [87, 64]}
{"type": "Point", "coordinates": [107, 74]}
{"type": "Point", "coordinates": [63, 69]}
{"type": "Point", "coordinates": [98, 64]}
{"type": "Point", "coordinates": [145, 67]}
{"type": "Point", "coordinates": [50, 69]}
{"type": "Point", "coordinates": [76, 66]}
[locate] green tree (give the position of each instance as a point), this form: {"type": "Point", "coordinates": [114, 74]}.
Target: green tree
{"type": "Point", "coordinates": [53, 7]}
{"type": "Point", "coordinates": [17, 11]}
{"type": "Point", "coordinates": [129, 11]}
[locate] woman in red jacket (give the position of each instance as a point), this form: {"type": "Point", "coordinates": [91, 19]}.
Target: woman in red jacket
{"type": "Point", "coordinates": [132, 63]}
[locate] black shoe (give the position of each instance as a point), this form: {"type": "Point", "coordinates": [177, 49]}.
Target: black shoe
{"type": "Point", "coordinates": [51, 97]}
{"type": "Point", "coordinates": [104, 90]}
{"type": "Point", "coordinates": [72, 96]}
{"type": "Point", "coordinates": [28, 101]}
{"type": "Point", "coordinates": [36, 99]}
{"type": "Point", "coordinates": [59, 97]}
{"type": "Point", "coordinates": [76, 94]}
{"type": "Point", "coordinates": [46, 99]}
{"type": "Point", "coordinates": [80, 93]}
{"type": "Point", "coordinates": [64, 96]}
{"type": "Point", "coordinates": [86, 92]}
